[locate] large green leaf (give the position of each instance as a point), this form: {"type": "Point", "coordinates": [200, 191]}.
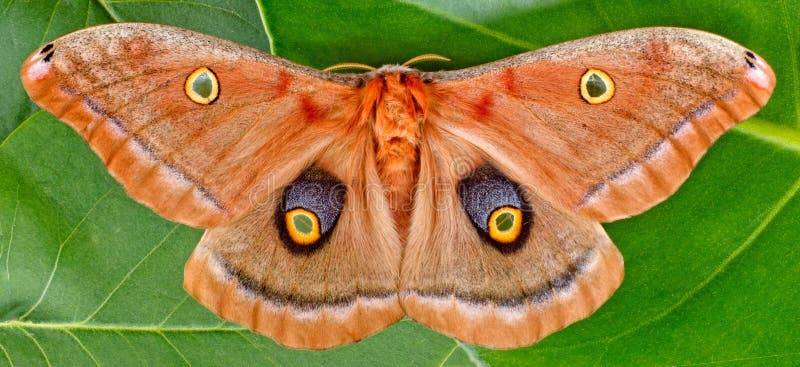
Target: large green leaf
{"type": "Point", "coordinates": [87, 276]}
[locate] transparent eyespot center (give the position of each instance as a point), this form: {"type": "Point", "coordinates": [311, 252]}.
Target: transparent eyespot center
{"type": "Point", "coordinates": [302, 226]}
{"type": "Point", "coordinates": [596, 86]}
{"type": "Point", "coordinates": [303, 223]}
{"type": "Point", "coordinates": [505, 224]}
{"type": "Point", "coordinates": [202, 86]}
{"type": "Point", "coordinates": [504, 221]}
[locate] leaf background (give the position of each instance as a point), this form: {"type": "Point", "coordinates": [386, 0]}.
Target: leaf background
{"type": "Point", "coordinates": [88, 277]}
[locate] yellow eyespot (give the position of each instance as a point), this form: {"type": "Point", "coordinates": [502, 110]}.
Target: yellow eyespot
{"type": "Point", "coordinates": [202, 86]}
{"type": "Point", "coordinates": [505, 224]}
{"type": "Point", "coordinates": [302, 226]}
{"type": "Point", "coordinates": [596, 86]}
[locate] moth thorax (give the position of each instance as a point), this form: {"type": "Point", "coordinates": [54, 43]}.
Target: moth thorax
{"type": "Point", "coordinates": [399, 114]}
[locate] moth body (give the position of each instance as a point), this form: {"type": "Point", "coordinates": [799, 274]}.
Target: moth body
{"type": "Point", "coordinates": [395, 106]}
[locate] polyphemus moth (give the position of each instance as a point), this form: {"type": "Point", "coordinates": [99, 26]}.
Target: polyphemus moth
{"type": "Point", "coordinates": [335, 204]}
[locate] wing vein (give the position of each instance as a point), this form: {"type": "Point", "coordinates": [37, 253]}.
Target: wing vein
{"type": "Point", "coordinates": [225, 153]}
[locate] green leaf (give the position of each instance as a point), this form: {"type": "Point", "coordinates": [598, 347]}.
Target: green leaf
{"type": "Point", "coordinates": [25, 26]}
{"type": "Point", "coordinates": [87, 276]}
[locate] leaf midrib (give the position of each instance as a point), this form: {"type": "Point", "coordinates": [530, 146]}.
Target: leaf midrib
{"type": "Point", "coordinates": [779, 135]}
{"type": "Point", "coordinates": [111, 327]}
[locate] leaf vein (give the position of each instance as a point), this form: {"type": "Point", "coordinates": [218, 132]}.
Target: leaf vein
{"type": "Point", "coordinates": [58, 254]}
{"type": "Point", "coordinates": [772, 133]}
{"type": "Point", "coordinates": [133, 348]}
{"type": "Point", "coordinates": [23, 124]}
{"type": "Point", "coordinates": [191, 3]}
{"type": "Point", "coordinates": [450, 353]}
{"type": "Point", "coordinates": [11, 236]}
{"type": "Point", "coordinates": [39, 346]}
{"type": "Point", "coordinates": [262, 12]}
{"type": "Point", "coordinates": [472, 354]}
{"type": "Point", "coordinates": [221, 323]}
{"type": "Point", "coordinates": [768, 218]}
{"type": "Point", "coordinates": [500, 36]}
{"type": "Point", "coordinates": [174, 309]}
{"type": "Point", "coordinates": [5, 10]}
{"type": "Point", "coordinates": [111, 12]}
{"type": "Point", "coordinates": [169, 342]}
{"type": "Point", "coordinates": [80, 344]}
{"type": "Point", "coordinates": [114, 327]}
{"type": "Point", "coordinates": [50, 22]}
{"type": "Point", "coordinates": [793, 57]}
{"type": "Point", "coordinates": [257, 347]}
{"type": "Point", "coordinates": [5, 353]}
{"type": "Point", "coordinates": [88, 14]}
{"type": "Point", "coordinates": [129, 273]}
{"type": "Point", "coordinates": [741, 359]}
{"type": "Point", "coordinates": [600, 9]}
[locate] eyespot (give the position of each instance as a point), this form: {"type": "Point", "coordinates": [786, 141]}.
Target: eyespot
{"type": "Point", "coordinates": [202, 86]}
{"type": "Point", "coordinates": [496, 207]}
{"type": "Point", "coordinates": [310, 208]}
{"type": "Point", "coordinates": [505, 224]}
{"type": "Point", "coordinates": [596, 86]}
{"type": "Point", "coordinates": [302, 226]}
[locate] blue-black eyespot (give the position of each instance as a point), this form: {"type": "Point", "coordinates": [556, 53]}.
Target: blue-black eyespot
{"type": "Point", "coordinates": [309, 209]}
{"type": "Point", "coordinates": [496, 207]}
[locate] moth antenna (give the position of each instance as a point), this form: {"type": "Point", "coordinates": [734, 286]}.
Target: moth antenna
{"type": "Point", "coordinates": [425, 57]}
{"type": "Point", "coordinates": [349, 65]}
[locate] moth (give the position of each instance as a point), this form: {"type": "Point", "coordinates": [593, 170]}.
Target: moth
{"type": "Point", "coordinates": [336, 204]}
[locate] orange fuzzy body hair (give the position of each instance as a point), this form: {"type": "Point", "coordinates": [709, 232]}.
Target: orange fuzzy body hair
{"type": "Point", "coordinates": [395, 103]}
